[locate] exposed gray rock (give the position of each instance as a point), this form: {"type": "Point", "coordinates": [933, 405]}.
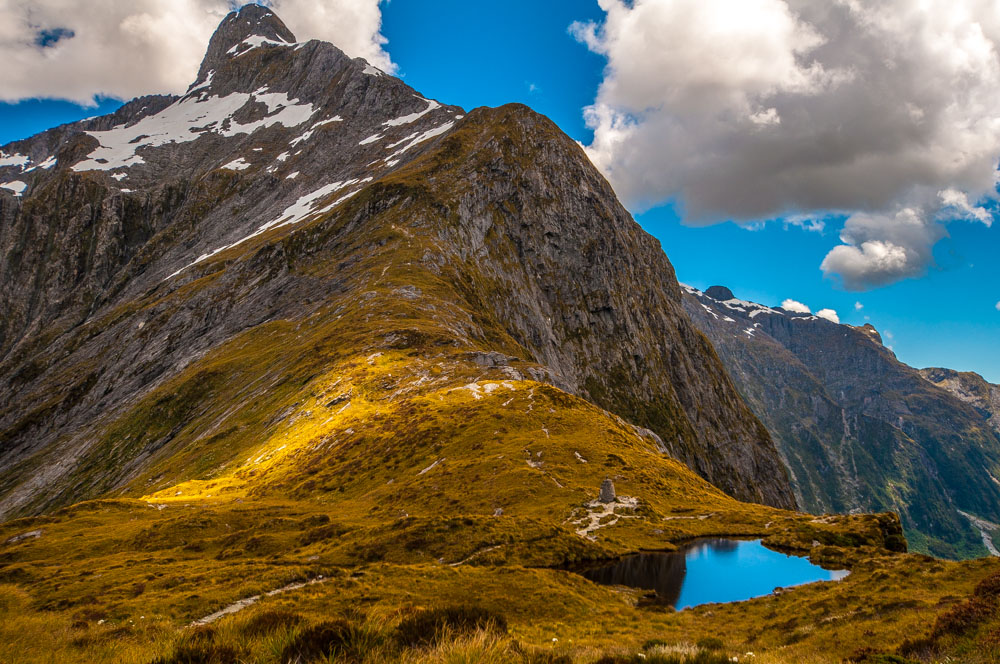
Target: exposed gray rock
{"type": "Point", "coordinates": [31, 534]}
{"type": "Point", "coordinates": [720, 293]}
{"type": "Point", "coordinates": [970, 388]}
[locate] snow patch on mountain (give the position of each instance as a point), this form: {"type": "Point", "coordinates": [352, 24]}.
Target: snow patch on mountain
{"type": "Point", "coordinates": [45, 165]}
{"type": "Point", "coordinates": [201, 86]}
{"type": "Point", "coordinates": [187, 120]}
{"type": "Point", "coordinates": [13, 160]}
{"type": "Point", "coordinates": [413, 117]}
{"type": "Point", "coordinates": [303, 208]}
{"type": "Point", "coordinates": [335, 118]}
{"type": "Point", "coordinates": [420, 138]}
{"type": "Point", "coordinates": [252, 42]}
{"type": "Point", "coordinates": [16, 186]}
{"type": "Point", "coordinates": [239, 164]}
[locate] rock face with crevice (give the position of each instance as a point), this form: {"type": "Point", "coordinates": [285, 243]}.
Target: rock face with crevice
{"type": "Point", "coordinates": [294, 186]}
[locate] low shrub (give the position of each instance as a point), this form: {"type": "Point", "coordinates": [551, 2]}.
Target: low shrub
{"type": "Point", "coordinates": [710, 643]}
{"type": "Point", "coordinates": [270, 621]}
{"type": "Point", "coordinates": [338, 639]}
{"type": "Point", "coordinates": [427, 627]}
{"type": "Point", "coordinates": [701, 657]}
{"type": "Point", "coordinates": [963, 618]}
{"type": "Point", "coordinates": [988, 588]}
{"type": "Point", "coordinates": [547, 658]}
{"type": "Point", "coordinates": [201, 652]}
{"type": "Point", "coordinates": [868, 655]}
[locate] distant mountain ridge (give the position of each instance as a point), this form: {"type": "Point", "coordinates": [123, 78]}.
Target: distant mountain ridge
{"type": "Point", "coordinates": [295, 186]}
{"type": "Point", "coordinates": [971, 388]}
{"type": "Point", "coordinates": [857, 429]}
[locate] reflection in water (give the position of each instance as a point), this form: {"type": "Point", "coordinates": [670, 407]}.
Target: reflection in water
{"type": "Point", "coordinates": [662, 572]}
{"type": "Point", "coordinates": [710, 570]}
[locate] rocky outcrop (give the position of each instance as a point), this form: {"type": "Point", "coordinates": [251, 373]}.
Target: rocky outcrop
{"type": "Point", "coordinates": [970, 388]}
{"type": "Point", "coordinates": [283, 188]}
{"type": "Point", "coordinates": [857, 429]}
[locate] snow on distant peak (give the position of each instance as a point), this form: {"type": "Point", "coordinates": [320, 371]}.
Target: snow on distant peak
{"type": "Point", "coordinates": [751, 309]}
{"type": "Point", "coordinates": [373, 71]}
{"type": "Point", "coordinates": [186, 120]}
{"type": "Point", "coordinates": [16, 186]}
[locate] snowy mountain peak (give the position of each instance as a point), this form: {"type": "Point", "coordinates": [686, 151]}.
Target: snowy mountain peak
{"type": "Point", "coordinates": [251, 26]}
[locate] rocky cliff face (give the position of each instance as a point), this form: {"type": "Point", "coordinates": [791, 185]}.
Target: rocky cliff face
{"type": "Point", "coordinates": [858, 429]}
{"type": "Point", "coordinates": [971, 388]}
{"type": "Point", "coordinates": [175, 272]}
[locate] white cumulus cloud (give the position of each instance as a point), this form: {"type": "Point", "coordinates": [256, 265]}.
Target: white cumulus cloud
{"type": "Point", "coordinates": [796, 307]}
{"type": "Point", "coordinates": [998, 306]}
{"type": "Point", "coordinates": [829, 314]}
{"type": "Point", "coordinates": [125, 48]}
{"type": "Point", "coordinates": [858, 306]}
{"type": "Point", "coordinates": [884, 111]}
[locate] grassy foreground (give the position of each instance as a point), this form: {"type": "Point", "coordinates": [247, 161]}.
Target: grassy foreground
{"type": "Point", "coordinates": [400, 483]}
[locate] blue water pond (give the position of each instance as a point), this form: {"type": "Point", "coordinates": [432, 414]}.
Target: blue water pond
{"type": "Point", "coordinates": [711, 570]}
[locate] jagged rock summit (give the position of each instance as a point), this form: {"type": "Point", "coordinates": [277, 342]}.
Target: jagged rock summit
{"type": "Point", "coordinates": [295, 199]}
{"type": "Point", "coordinates": [251, 27]}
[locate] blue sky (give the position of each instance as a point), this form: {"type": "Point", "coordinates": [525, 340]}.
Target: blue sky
{"type": "Point", "coordinates": [474, 54]}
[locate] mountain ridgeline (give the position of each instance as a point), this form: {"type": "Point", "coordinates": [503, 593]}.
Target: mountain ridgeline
{"type": "Point", "coordinates": [302, 366]}
{"type": "Point", "coordinates": [859, 430]}
{"type": "Point", "coordinates": [971, 388]}
{"type": "Point", "coordinates": [178, 272]}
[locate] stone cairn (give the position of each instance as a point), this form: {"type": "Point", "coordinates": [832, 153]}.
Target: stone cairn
{"type": "Point", "coordinates": [607, 491]}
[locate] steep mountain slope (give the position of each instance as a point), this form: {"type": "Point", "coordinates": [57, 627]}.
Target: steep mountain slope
{"type": "Point", "coordinates": [180, 273]}
{"type": "Point", "coordinates": [858, 430]}
{"type": "Point", "coordinates": [971, 388]}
